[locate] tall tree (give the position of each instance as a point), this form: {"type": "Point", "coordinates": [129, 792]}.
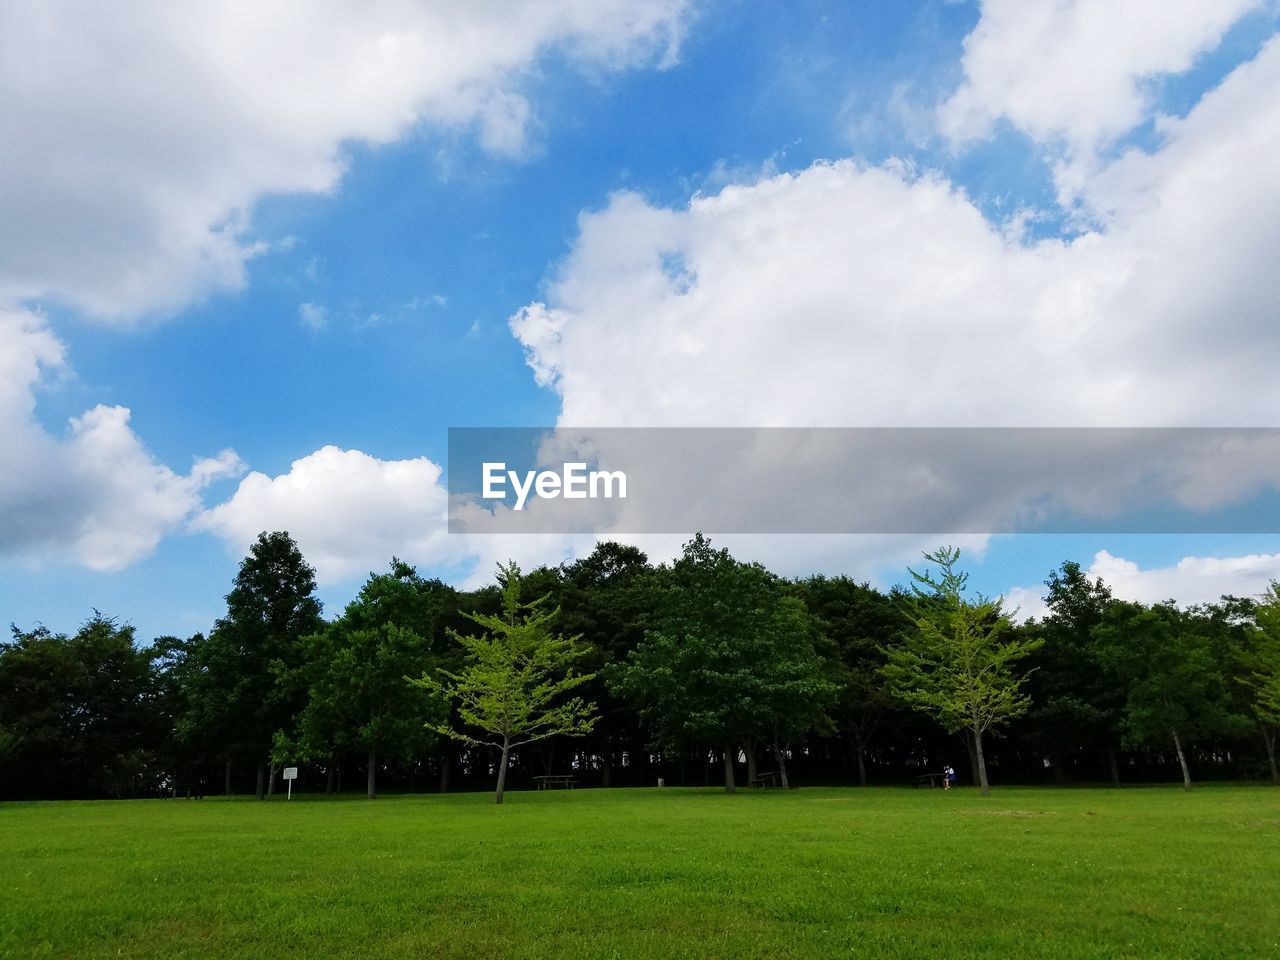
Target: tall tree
{"type": "Point", "coordinates": [354, 669]}
{"type": "Point", "coordinates": [960, 662]}
{"type": "Point", "coordinates": [860, 622]}
{"type": "Point", "coordinates": [270, 608]}
{"type": "Point", "coordinates": [1261, 662]}
{"type": "Point", "coordinates": [513, 687]}
{"type": "Point", "coordinates": [1076, 703]}
{"type": "Point", "coordinates": [1177, 689]}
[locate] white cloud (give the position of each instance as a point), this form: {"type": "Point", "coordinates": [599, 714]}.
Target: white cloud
{"type": "Point", "coordinates": [1191, 580]}
{"type": "Point", "coordinates": [847, 295]}
{"type": "Point", "coordinates": [96, 497]}
{"type": "Point", "coordinates": [312, 315]}
{"type": "Point", "coordinates": [138, 135]}
{"type": "Point", "coordinates": [1073, 71]}
{"type": "Point", "coordinates": [348, 511]}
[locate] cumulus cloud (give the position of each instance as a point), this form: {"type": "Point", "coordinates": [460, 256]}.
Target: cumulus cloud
{"type": "Point", "coordinates": [1074, 71]}
{"type": "Point", "coordinates": [349, 512]}
{"type": "Point", "coordinates": [95, 496]}
{"type": "Point", "coordinates": [855, 295]}
{"type": "Point", "coordinates": [847, 295]}
{"type": "Point", "coordinates": [138, 135]}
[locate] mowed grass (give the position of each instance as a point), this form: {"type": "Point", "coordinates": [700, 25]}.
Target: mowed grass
{"type": "Point", "coordinates": [648, 873]}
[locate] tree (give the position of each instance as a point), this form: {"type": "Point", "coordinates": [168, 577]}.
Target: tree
{"type": "Point", "coordinates": [1261, 662]}
{"type": "Point", "coordinates": [1075, 701]}
{"type": "Point", "coordinates": [730, 657]}
{"type": "Point", "coordinates": [958, 663]}
{"type": "Point", "coordinates": [1176, 686]}
{"type": "Point", "coordinates": [270, 608]}
{"type": "Point", "coordinates": [514, 682]}
{"type": "Point", "coordinates": [860, 622]}
{"type": "Point", "coordinates": [82, 715]}
{"type": "Point", "coordinates": [354, 669]}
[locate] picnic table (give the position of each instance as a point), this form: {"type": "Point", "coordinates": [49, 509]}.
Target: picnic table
{"type": "Point", "coordinates": [769, 779]}
{"type": "Point", "coordinates": [930, 780]}
{"type": "Point", "coordinates": [554, 780]}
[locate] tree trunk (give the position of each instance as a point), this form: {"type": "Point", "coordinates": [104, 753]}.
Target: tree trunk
{"type": "Point", "coordinates": [751, 760]}
{"type": "Point", "coordinates": [1058, 776]}
{"type": "Point", "coordinates": [226, 787]}
{"type": "Point", "coordinates": [502, 770]}
{"type": "Point", "coordinates": [445, 762]}
{"type": "Point", "coordinates": [1269, 735]}
{"type": "Point", "coordinates": [261, 789]}
{"type": "Point", "coordinates": [373, 773]}
{"type": "Point", "coordinates": [606, 760]}
{"type": "Point", "coordinates": [1182, 761]}
{"type": "Point", "coordinates": [982, 763]}
{"type": "Point", "coordinates": [973, 757]}
{"type": "Point", "coordinates": [782, 765]}
{"type": "Point", "coordinates": [729, 785]}
{"type": "Point", "coordinates": [1114, 764]}
{"type": "Point", "coordinates": [860, 749]}
{"type": "Point", "coordinates": [271, 780]}
{"type": "Point", "coordinates": [330, 776]}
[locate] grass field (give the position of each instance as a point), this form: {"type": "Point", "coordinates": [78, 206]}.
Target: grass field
{"type": "Point", "coordinates": [648, 873]}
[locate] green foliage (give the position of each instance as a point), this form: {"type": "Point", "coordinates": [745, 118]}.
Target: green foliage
{"type": "Point", "coordinates": [960, 662]}
{"type": "Point", "coordinates": [1076, 702]}
{"type": "Point", "coordinates": [512, 687]}
{"type": "Point", "coordinates": [1172, 669]}
{"type": "Point", "coordinates": [353, 672]}
{"type": "Point", "coordinates": [1261, 660]}
{"type": "Point", "coordinates": [730, 656]}
{"type": "Point", "coordinates": [80, 715]}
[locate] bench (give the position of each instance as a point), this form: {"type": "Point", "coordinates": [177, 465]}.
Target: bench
{"type": "Point", "coordinates": [552, 781]}
{"type": "Point", "coordinates": [769, 780]}
{"type": "Point", "coordinates": [931, 780]}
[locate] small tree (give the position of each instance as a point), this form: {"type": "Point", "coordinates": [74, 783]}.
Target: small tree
{"type": "Point", "coordinates": [516, 674]}
{"type": "Point", "coordinates": [959, 662]}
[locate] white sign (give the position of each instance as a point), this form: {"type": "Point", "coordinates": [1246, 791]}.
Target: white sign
{"type": "Point", "coordinates": [291, 773]}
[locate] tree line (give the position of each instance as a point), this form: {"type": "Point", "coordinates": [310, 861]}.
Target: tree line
{"type": "Point", "coordinates": [617, 671]}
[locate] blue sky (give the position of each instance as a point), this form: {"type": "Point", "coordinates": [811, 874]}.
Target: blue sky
{"type": "Point", "coordinates": [368, 309]}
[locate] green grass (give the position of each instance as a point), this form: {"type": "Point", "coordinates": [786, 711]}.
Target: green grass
{"type": "Point", "coordinates": [648, 873]}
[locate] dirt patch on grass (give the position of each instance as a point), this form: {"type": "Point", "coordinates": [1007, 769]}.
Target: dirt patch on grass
{"type": "Point", "coordinates": [1003, 813]}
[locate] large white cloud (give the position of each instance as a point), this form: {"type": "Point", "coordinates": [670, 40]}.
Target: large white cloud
{"type": "Point", "coordinates": [854, 295]}
{"type": "Point", "coordinates": [848, 295]}
{"type": "Point", "coordinates": [1073, 71]}
{"type": "Point", "coordinates": [139, 133]}
{"type": "Point", "coordinates": [96, 496]}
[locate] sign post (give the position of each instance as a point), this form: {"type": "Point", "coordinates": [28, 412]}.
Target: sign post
{"type": "Point", "coordinates": [290, 774]}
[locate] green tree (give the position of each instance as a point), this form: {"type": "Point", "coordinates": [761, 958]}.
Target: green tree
{"type": "Point", "coordinates": [515, 679]}
{"type": "Point", "coordinates": [270, 608]}
{"type": "Point", "coordinates": [860, 623]}
{"type": "Point", "coordinates": [1261, 662]}
{"type": "Point", "coordinates": [730, 657]}
{"type": "Point", "coordinates": [1076, 702]}
{"type": "Point", "coordinates": [83, 714]}
{"type": "Point", "coordinates": [1177, 687]}
{"type": "Point", "coordinates": [354, 670]}
{"type": "Point", "coordinates": [959, 663]}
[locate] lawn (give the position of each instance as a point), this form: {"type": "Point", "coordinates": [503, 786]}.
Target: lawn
{"type": "Point", "coordinates": [650, 873]}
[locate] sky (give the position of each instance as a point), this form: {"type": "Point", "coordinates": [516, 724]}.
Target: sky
{"type": "Point", "coordinates": [256, 258]}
